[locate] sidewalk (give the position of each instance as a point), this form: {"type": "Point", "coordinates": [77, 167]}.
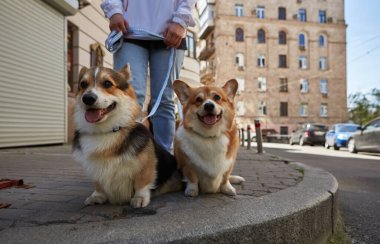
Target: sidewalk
{"type": "Point", "coordinates": [279, 203]}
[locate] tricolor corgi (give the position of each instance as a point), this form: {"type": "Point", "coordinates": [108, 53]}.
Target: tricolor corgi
{"type": "Point", "coordinates": [117, 152]}
{"type": "Point", "coordinates": [206, 142]}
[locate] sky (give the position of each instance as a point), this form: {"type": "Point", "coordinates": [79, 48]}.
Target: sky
{"type": "Point", "coordinates": [363, 45]}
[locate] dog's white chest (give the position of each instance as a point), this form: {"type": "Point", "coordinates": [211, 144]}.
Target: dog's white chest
{"type": "Point", "coordinates": [208, 154]}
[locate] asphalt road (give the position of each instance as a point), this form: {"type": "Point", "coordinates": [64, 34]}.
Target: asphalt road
{"type": "Point", "coordinates": [358, 176]}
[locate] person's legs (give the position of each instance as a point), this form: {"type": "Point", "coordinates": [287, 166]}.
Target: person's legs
{"type": "Point", "coordinates": [164, 119]}
{"type": "Point", "coordinates": [137, 56]}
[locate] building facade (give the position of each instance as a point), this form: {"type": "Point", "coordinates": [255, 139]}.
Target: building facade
{"type": "Point", "coordinates": [289, 58]}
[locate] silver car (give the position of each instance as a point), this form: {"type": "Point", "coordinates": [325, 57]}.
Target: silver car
{"type": "Point", "coordinates": [367, 139]}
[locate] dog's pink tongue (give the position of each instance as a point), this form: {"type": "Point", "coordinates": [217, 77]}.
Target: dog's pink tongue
{"type": "Point", "coordinates": [210, 119]}
{"type": "Point", "coordinates": [93, 115]}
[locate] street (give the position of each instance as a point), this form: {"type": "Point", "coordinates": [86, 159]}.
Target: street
{"type": "Point", "coordinates": [358, 176]}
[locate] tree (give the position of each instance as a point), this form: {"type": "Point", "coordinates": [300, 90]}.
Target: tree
{"type": "Point", "coordinates": [364, 107]}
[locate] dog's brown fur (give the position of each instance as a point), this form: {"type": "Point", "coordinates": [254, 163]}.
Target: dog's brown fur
{"type": "Point", "coordinates": [116, 151]}
{"type": "Point", "coordinates": [206, 143]}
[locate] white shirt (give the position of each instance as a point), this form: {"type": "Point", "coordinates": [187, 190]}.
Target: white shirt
{"type": "Point", "coordinates": [151, 15]}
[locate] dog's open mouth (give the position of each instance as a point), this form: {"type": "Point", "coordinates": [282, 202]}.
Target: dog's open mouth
{"type": "Point", "coordinates": [94, 115]}
{"type": "Point", "coordinates": [210, 119]}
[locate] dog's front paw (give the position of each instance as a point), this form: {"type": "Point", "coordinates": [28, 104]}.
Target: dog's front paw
{"type": "Point", "coordinates": [191, 190]}
{"type": "Point", "coordinates": [228, 189]}
{"type": "Point", "coordinates": [95, 198]}
{"type": "Point", "coordinates": [139, 202]}
{"type": "Point", "coordinates": [235, 179]}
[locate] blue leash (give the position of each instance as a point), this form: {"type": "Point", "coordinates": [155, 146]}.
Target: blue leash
{"type": "Point", "coordinates": [114, 42]}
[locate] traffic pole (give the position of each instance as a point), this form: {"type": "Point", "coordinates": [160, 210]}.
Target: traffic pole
{"type": "Point", "coordinates": [259, 138]}
{"type": "Point", "coordinates": [242, 137]}
{"type": "Point", "coordinates": [248, 137]}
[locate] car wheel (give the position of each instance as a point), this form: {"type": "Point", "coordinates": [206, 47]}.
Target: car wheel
{"type": "Point", "coordinates": [336, 147]}
{"type": "Point", "coordinates": [302, 142]}
{"type": "Point", "coordinates": [327, 146]}
{"type": "Point", "coordinates": [351, 146]}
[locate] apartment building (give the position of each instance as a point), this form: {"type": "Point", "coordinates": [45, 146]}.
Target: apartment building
{"type": "Point", "coordinates": [289, 58]}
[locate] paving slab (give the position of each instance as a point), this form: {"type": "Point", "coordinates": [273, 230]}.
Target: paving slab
{"type": "Point", "coordinates": [280, 202]}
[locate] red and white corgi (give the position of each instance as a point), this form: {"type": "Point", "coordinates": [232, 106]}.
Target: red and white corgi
{"type": "Point", "coordinates": [206, 143]}
{"type": "Point", "coordinates": [117, 152]}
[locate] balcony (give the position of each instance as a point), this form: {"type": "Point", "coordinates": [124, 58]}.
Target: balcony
{"type": "Point", "coordinates": [206, 52]}
{"type": "Point", "coordinates": [206, 21]}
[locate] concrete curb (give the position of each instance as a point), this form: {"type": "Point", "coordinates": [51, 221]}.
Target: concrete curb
{"type": "Point", "coordinates": [305, 213]}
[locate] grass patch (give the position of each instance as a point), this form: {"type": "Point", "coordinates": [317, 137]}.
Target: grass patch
{"type": "Point", "coordinates": [340, 235]}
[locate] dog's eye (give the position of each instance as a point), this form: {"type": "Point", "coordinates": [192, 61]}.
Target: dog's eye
{"type": "Point", "coordinates": [107, 84]}
{"type": "Point", "coordinates": [83, 85]}
{"type": "Point", "coordinates": [199, 100]}
{"type": "Point", "coordinates": [217, 97]}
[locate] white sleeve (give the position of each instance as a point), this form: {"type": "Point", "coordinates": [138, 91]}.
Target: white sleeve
{"type": "Point", "coordinates": [183, 14]}
{"type": "Point", "coordinates": [111, 7]}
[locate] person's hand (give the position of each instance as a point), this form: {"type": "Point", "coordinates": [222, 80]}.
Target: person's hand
{"type": "Point", "coordinates": [174, 34]}
{"type": "Point", "coordinates": [118, 23]}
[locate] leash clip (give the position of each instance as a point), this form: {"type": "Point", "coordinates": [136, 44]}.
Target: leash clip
{"type": "Point", "coordinates": [114, 41]}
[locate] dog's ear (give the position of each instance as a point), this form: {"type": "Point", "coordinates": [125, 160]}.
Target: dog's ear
{"type": "Point", "coordinates": [231, 88]}
{"type": "Point", "coordinates": [126, 72]}
{"type": "Point", "coordinates": [82, 72]}
{"type": "Point", "coordinates": [182, 90]}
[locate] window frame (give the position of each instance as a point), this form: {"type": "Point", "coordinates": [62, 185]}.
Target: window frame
{"type": "Point", "coordinates": [261, 36]}
{"type": "Point", "coordinates": [239, 10]}
{"type": "Point", "coordinates": [239, 34]}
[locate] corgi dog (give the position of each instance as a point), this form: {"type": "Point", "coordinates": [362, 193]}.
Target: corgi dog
{"type": "Point", "coordinates": [206, 143]}
{"type": "Point", "coordinates": [117, 152]}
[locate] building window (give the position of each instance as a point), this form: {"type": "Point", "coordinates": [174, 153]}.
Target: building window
{"type": "Point", "coordinates": [304, 86]}
{"type": "Point", "coordinates": [284, 109]}
{"type": "Point", "coordinates": [239, 35]}
{"type": "Point", "coordinates": [302, 63]}
{"type": "Point", "coordinates": [282, 13]}
{"type": "Point", "coordinates": [283, 84]}
{"type": "Point", "coordinates": [241, 84]}
{"type": "Point", "coordinates": [71, 29]}
{"type": "Point", "coordinates": [261, 36]}
{"type": "Point", "coordinates": [260, 12]}
{"type": "Point", "coordinates": [261, 60]}
{"type": "Point", "coordinates": [321, 41]}
{"type": "Point", "coordinates": [323, 110]}
{"type": "Point", "coordinates": [240, 61]}
{"type": "Point", "coordinates": [282, 38]}
{"type": "Point", "coordinates": [282, 61]}
{"type": "Point", "coordinates": [323, 86]}
{"type": "Point", "coordinates": [262, 108]}
{"type": "Point", "coordinates": [302, 15]}
{"type": "Point", "coordinates": [304, 110]}
{"type": "Point", "coordinates": [322, 63]}
{"type": "Point", "coordinates": [284, 130]}
{"type": "Point", "coordinates": [240, 108]}
{"type": "Point", "coordinates": [322, 16]}
{"type": "Point", "coordinates": [262, 83]}
{"type": "Point", "coordinates": [302, 41]}
{"type": "Point", "coordinates": [190, 52]}
{"type": "Point", "coordinates": [239, 10]}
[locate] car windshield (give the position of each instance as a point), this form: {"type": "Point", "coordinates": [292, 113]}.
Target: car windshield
{"type": "Point", "coordinates": [319, 127]}
{"type": "Point", "coordinates": [348, 128]}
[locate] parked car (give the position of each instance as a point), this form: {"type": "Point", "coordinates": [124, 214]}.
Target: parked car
{"type": "Point", "coordinates": [309, 133]}
{"type": "Point", "coordinates": [367, 139]}
{"type": "Point", "coordinates": [339, 135]}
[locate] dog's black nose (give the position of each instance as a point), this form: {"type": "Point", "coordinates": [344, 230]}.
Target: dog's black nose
{"type": "Point", "coordinates": [89, 99]}
{"type": "Point", "coordinates": [209, 107]}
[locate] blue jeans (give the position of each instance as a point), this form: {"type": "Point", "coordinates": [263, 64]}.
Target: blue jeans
{"type": "Point", "coordinates": [139, 57]}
